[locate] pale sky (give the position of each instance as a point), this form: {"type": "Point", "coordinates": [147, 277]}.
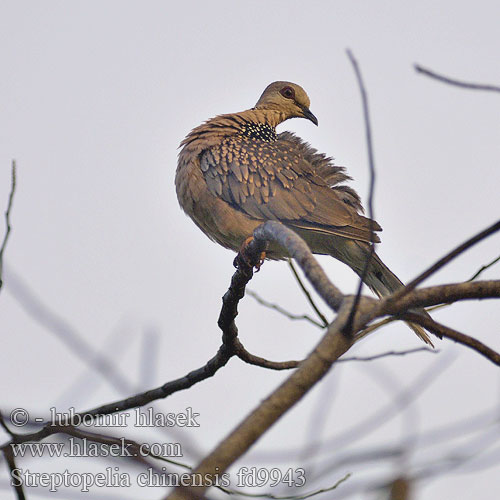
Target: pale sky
{"type": "Point", "coordinates": [95, 98]}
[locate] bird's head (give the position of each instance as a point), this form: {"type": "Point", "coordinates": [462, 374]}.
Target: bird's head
{"type": "Point", "coordinates": [288, 98]}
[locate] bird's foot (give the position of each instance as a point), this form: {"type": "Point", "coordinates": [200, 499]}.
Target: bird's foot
{"type": "Point", "coordinates": [262, 258]}
{"type": "Point", "coordinates": [243, 260]}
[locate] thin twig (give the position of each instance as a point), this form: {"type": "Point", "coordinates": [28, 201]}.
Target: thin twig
{"type": "Point", "coordinates": [251, 359]}
{"type": "Point", "coordinates": [472, 278]}
{"type": "Point", "coordinates": [289, 497]}
{"type": "Point", "coordinates": [283, 311]}
{"type": "Point", "coordinates": [307, 294]}
{"type": "Point", "coordinates": [429, 324]}
{"type": "Point", "coordinates": [445, 260]}
{"type": "Point", "coordinates": [244, 355]}
{"type": "Point", "coordinates": [387, 354]}
{"type": "Point", "coordinates": [7, 218]}
{"type": "Point", "coordinates": [453, 81]}
{"type": "Point", "coordinates": [371, 164]}
{"type": "Point", "coordinates": [483, 268]}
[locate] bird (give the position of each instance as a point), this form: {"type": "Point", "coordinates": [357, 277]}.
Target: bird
{"type": "Point", "coordinates": [236, 172]}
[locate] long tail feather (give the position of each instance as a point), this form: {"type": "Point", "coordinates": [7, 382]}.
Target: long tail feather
{"type": "Point", "coordinates": [379, 278]}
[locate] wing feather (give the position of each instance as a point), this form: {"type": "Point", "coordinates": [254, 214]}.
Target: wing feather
{"type": "Point", "coordinates": [286, 180]}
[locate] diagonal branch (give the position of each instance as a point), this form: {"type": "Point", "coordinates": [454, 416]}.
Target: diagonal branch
{"type": "Point", "coordinates": [307, 294]}
{"type": "Point", "coordinates": [483, 268]}
{"type": "Point", "coordinates": [251, 359]}
{"type": "Point", "coordinates": [371, 164]}
{"type": "Point", "coordinates": [283, 311]}
{"type": "Point", "coordinates": [445, 331]}
{"type": "Point", "coordinates": [453, 81]}
{"type": "Point", "coordinates": [441, 294]}
{"type": "Point", "coordinates": [445, 260]}
{"type": "Point", "coordinates": [388, 354]}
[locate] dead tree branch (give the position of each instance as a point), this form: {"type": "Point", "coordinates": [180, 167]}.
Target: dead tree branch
{"type": "Point", "coordinates": [450, 333]}
{"type": "Point", "coordinates": [371, 166]}
{"type": "Point", "coordinates": [445, 260]}
{"type": "Point", "coordinates": [283, 311]}
{"type": "Point", "coordinates": [483, 268]}
{"type": "Point", "coordinates": [321, 316]}
{"type": "Point", "coordinates": [455, 82]}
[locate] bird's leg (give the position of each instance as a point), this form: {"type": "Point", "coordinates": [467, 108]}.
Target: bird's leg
{"type": "Point", "coordinates": [262, 258]}
{"type": "Point", "coordinates": [243, 259]}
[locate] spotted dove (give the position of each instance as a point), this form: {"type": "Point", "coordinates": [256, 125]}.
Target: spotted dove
{"type": "Point", "coordinates": [235, 172]}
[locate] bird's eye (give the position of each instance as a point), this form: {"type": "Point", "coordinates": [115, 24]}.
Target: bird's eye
{"type": "Point", "coordinates": [287, 92]}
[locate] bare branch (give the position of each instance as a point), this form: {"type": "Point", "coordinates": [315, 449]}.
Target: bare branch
{"type": "Point", "coordinates": [371, 164]}
{"type": "Point", "coordinates": [180, 384]}
{"type": "Point", "coordinates": [453, 81]}
{"type": "Point", "coordinates": [307, 294]}
{"type": "Point", "coordinates": [445, 260]}
{"type": "Point", "coordinates": [483, 268]}
{"type": "Point", "coordinates": [441, 294]}
{"type": "Point", "coordinates": [7, 218]}
{"type": "Point", "coordinates": [281, 310]}
{"type": "Point", "coordinates": [388, 354]}
{"type": "Point", "coordinates": [251, 359]}
{"type": "Point", "coordinates": [450, 333]}
{"type": "Point", "coordinates": [286, 365]}
{"type": "Point", "coordinates": [303, 496]}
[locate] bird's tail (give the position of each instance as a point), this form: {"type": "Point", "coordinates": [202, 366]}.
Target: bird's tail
{"type": "Point", "coordinates": [379, 278]}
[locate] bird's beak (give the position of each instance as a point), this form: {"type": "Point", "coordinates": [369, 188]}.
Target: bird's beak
{"type": "Point", "coordinates": [306, 112]}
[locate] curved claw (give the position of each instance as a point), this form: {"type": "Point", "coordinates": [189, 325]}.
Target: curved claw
{"type": "Point", "coordinates": [242, 258]}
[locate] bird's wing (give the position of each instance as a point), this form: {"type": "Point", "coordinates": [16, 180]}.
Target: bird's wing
{"type": "Point", "coordinates": [285, 180]}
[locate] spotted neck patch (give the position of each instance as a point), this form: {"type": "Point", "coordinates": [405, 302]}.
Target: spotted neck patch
{"type": "Point", "coordinates": [261, 131]}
